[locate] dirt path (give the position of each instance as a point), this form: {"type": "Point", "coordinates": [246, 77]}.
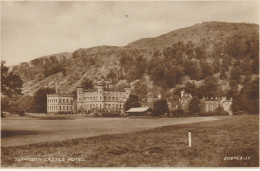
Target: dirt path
{"type": "Point", "coordinates": [20, 132]}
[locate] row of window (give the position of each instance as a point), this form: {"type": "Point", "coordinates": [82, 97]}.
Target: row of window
{"type": "Point", "coordinates": [59, 107]}
{"type": "Point", "coordinates": [60, 100]}
{"type": "Point", "coordinates": [106, 92]}
{"type": "Point", "coordinates": [211, 107]}
{"type": "Point", "coordinates": [100, 98]}
{"type": "Point", "coordinates": [112, 106]}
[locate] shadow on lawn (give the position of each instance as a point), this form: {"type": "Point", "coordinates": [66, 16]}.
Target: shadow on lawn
{"type": "Point", "coordinates": [11, 133]}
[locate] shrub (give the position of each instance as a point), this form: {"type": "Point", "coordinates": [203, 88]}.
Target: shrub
{"type": "Point", "coordinates": [177, 113]}
{"type": "Point", "coordinates": [240, 112]}
{"type": "Point", "coordinates": [2, 115]}
{"type": "Point", "coordinates": [114, 114]}
{"type": "Point", "coordinates": [21, 113]}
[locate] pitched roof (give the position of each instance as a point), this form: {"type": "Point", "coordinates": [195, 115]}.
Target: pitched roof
{"type": "Point", "coordinates": [138, 109]}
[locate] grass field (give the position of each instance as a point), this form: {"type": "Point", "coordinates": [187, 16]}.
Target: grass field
{"type": "Point", "coordinates": [22, 131]}
{"type": "Point", "coordinates": [212, 143]}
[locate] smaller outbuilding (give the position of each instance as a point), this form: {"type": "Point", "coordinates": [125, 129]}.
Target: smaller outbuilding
{"type": "Point", "coordinates": [139, 111]}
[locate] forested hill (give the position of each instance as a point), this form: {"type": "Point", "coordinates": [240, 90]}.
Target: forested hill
{"type": "Point", "coordinates": [216, 59]}
{"type": "Point", "coordinates": [207, 33]}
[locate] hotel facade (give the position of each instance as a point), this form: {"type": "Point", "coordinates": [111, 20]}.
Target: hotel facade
{"type": "Point", "coordinates": [102, 97]}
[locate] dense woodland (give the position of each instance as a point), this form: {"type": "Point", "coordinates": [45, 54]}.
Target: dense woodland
{"type": "Point", "coordinates": [211, 59]}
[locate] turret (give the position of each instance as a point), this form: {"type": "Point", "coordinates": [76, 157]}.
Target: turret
{"type": "Point", "coordinates": [182, 93]}
{"type": "Point", "coordinates": [79, 93]}
{"type": "Point", "coordinates": [127, 90]}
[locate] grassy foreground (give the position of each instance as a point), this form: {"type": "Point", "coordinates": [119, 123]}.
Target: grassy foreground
{"type": "Point", "coordinates": [212, 143]}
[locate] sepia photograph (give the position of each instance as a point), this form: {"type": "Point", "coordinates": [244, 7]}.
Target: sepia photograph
{"type": "Point", "coordinates": [129, 84]}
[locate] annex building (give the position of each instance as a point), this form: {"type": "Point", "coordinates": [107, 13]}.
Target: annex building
{"type": "Point", "coordinates": [102, 97]}
{"type": "Point", "coordinates": [60, 103]}
{"type": "Point", "coordinates": [212, 104]}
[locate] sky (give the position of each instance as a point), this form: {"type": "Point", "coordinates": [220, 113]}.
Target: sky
{"type": "Point", "coordinates": [34, 29]}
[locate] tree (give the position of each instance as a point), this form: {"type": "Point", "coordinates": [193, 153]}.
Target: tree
{"type": "Point", "coordinates": [140, 89]}
{"type": "Point", "coordinates": [251, 96]}
{"type": "Point", "coordinates": [190, 88]}
{"type": "Point", "coordinates": [237, 48]}
{"type": "Point", "coordinates": [160, 107]}
{"type": "Point", "coordinates": [173, 76]}
{"type": "Point", "coordinates": [191, 69]}
{"type": "Point", "coordinates": [39, 102]}
{"type": "Point", "coordinates": [236, 74]}
{"type": "Point", "coordinates": [131, 102]}
{"type": "Point", "coordinates": [200, 53]}
{"type": "Point", "coordinates": [11, 84]}
{"type": "Point", "coordinates": [255, 65]}
{"type": "Point", "coordinates": [87, 84]}
{"type": "Point", "coordinates": [194, 105]}
{"type": "Point", "coordinates": [206, 70]}
{"type": "Point", "coordinates": [222, 75]}
{"type": "Point", "coordinates": [209, 89]}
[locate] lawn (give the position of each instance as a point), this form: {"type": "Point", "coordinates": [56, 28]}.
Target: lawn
{"type": "Point", "coordinates": [22, 131]}
{"type": "Point", "coordinates": [212, 143]}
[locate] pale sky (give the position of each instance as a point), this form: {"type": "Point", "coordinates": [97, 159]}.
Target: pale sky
{"type": "Point", "coordinates": [33, 29]}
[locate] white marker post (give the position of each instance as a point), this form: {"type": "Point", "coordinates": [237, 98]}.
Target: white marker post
{"type": "Point", "coordinates": [189, 135]}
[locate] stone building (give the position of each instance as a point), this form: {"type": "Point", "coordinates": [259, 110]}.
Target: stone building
{"type": "Point", "coordinates": [102, 97]}
{"type": "Point", "coordinates": [185, 100]}
{"type": "Point", "coordinates": [210, 105]}
{"type": "Point", "coordinates": [60, 103]}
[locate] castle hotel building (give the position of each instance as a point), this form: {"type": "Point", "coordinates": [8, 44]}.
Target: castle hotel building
{"type": "Point", "coordinates": [102, 97]}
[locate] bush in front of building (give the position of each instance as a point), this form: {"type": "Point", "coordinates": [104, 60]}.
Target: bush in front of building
{"type": "Point", "coordinates": [218, 112]}
{"type": "Point", "coordinates": [65, 113]}
{"type": "Point", "coordinates": [160, 107]}
{"type": "Point", "coordinates": [21, 112]}
{"type": "Point", "coordinates": [110, 114]}
{"type": "Point", "coordinates": [2, 115]}
{"type": "Point", "coordinates": [178, 113]}
{"type": "Point", "coordinates": [240, 112]}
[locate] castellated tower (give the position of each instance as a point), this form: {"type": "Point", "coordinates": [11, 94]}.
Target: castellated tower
{"type": "Point", "coordinates": [102, 98]}
{"type": "Point", "coordinates": [100, 85]}
{"type": "Point", "coordinates": [79, 96]}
